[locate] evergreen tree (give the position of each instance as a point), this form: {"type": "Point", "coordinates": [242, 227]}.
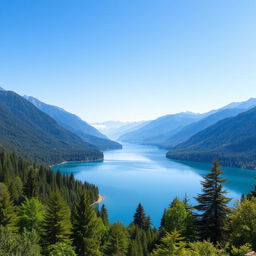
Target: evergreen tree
{"type": "Point", "coordinates": [171, 245]}
{"type": "Point", "coordinates": [213, 206]}
{"type": "Point", "coordinates": [8, 217]}
{"type": "Point", "coordinates": [140, 218]}
{"type": "Point", "coordinates": [16, 190]}
{"type": "Point", "coordinates": [56, 224]}
{"type": "Point", "coordinates": [30, 214]}
{"type": "Point", "coordinates": [86, 227]}
{"type": "Point", "coordinates": [103, 214]}
{"type": "Point", "coordinates": [31, 188]}
{"type": "Point", "coordinates": [61, 249]}
{"type": "Point", "coordinates": [117, 243]}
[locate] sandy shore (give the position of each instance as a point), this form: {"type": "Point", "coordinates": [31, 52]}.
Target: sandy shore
{"type": "Point", "coordinates": [100, 199]}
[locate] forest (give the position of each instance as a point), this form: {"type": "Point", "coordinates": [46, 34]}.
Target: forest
{"type": "Point", "coordinates": [47, 213]}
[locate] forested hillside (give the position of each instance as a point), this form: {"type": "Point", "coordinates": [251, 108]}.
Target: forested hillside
{"type": "Point", "coordinates": [33, 134]}
{"type": "Point", "coordinates": [232, 141]}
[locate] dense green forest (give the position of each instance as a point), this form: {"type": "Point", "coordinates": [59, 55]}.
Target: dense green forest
{"type": "Point", "coordinates": [47, 213]}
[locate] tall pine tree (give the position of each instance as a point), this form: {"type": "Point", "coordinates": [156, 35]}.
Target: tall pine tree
{"type": "Point", "coordinates": [8, 217]}
{"type": "Point", "coordinates": [213, 206]}
{"type": "Point", "coordinates": [57, 226]}
{"type": "Point", "coordinates": [31, 188]}
{"type": "Point", "coordinates": [86, 228]}
{"type": "Point", "coordinates": [140, 218]}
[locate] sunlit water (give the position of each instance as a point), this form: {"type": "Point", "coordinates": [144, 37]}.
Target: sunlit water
{"type": "Point", "coordinates": [143, 174]}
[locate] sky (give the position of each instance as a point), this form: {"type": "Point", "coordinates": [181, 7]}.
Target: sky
{"type": "Point", "coordinates": [129, 59]}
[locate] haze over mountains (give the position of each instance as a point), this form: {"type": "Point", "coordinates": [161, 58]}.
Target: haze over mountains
{"type": "Point", "coordinates": [191, 137]}
{"type": "Point", "coordinates": [75, 125]}
{"type": "Point", "coordinates": [160, 129]}
{"type": "Point", "coordinates": [50, 134]}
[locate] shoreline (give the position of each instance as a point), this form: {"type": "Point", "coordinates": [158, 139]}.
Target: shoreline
{"type": "Point", "coordinates": [100, 199]}
{"type": "Point", "coordinates": [82, 161]}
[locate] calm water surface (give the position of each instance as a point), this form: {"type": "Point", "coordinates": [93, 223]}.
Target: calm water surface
{"type": "Point", "coordinates": [143, 174]}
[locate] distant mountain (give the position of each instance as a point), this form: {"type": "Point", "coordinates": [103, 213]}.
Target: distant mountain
{"type": "Point", "coordinates": [231, 140]}
{"type": "Point", "coordinates": [211, 118]}
{"type": "Point", "coordinates": [115, 129]}
{"type": "Point", "coordinates": [33, 134]}
{"type": "Point", "coordinates": [160, 129]}
{"type": "Point", "coordinates": [75, 125]}
{"type": "Point", "coordinates": [242, 105]}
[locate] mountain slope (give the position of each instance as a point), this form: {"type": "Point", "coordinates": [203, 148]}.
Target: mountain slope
{"type": "Point", "coordinates": [232, 141]}
{"type": "Point", "coordinates": [75, 125]}
{"type": "Point", "coordinates": [191, 129]}
{"type": "Point", "coordinates": [33, 134]}
{"type": "Point", "coordinates": [160, 129]}
{"type": "Point", "coordinates": [115, 129]}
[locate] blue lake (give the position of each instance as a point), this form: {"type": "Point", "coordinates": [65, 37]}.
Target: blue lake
{"type": "Point", "coordinates": [142, 174]}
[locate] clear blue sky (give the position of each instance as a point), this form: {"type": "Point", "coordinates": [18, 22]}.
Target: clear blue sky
{"type": "Point", "coordinates": [129, 59]}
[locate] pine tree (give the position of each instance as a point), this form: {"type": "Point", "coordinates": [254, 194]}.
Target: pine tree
{"type": "Point", "coordinates": [30, 214]}
{"type": "Point", "coordinates": [117, 243]}
{"type": "Point", "coordinates": [8, 217]}
{"type": "Point", "coordinates": [213, 206]}
{"type": "Point", "coordinates": [86, 229]}
{"type": "Point", "coordinates": [139, 217]}
{"type": "Point", "coordinates": [31, 188]}
{"type": "Point", "coordinates": [103, 214]}
{"type": "Point", "coordinates": [56, 225]}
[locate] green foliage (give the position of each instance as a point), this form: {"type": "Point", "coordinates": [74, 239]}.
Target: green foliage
{"type": "Point", "coordinates": [16, 189]}
{"type": "Point", "coordinates": [8, 216]}
{"type": "Point", "coordinates": [57, 226]}
{"type": "Point", "coordinates": [179, 217]}
{"type": "Point", "coordinates": [205, 249]}
{"type": "Point", "coordinates": [240, 251]}
{"type": "Point", "coordinates": [30, 214]}
{"type": "Point", "coordinates": [86, 227]}
{"type": "Point", "coordinates": [13, 167]}
{"type": "Point", "coordinates": [140, 218]}
{"type": "Point", "coordinates": [118, 240]}
{"type": "Point", "coordinates": [213, 206]}
{"type": "Point", "coordinates": [103, 214]}
{"type": "Point", "coordinates": [24, 244]}
{"type": "Point", "coordinates": [243, 224]}
{"type": "Point", "coordinates": [61, 249]}
{"type": "Point", "coordinates": [171, 245]}
{"type": "Point", "coordinates": [31, 187]}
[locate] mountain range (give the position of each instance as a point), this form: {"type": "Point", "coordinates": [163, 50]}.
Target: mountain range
{"type": "Point", "coordinates": [75, 125]}
{"type": "Point", "coordinates": [158, 130]}
{"type": "Point", "coordinates": [33, 134]}
{"type": "Point", "coordinates": [232, 141]}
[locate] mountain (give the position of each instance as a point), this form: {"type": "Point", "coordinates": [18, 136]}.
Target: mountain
{"type": "Point", "coordinates": [75, 125]}
{"type": "Point", "coordinates": [160, 129]}
{"type": "Point", "coordinates": [33, 134]}
{"type": "Point", "coordinates": [191, 129]}
{"type": "Point", "coordinates": [208, 119]}
{"type": "Point", "coordinates": [115, 129]}
{"type": "Point", "coordinates": [232, 141]}
{"type": "Point", "coordinates": [242, 105]}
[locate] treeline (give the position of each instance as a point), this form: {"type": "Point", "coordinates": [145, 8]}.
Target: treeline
{"type": "Point", "coordinates": [24, 179]}
{"type": "Point", "coordinates": [34, 221]}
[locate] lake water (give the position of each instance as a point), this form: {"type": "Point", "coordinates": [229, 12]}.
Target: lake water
{"type": "Point", "coordinates": [142, 174]}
